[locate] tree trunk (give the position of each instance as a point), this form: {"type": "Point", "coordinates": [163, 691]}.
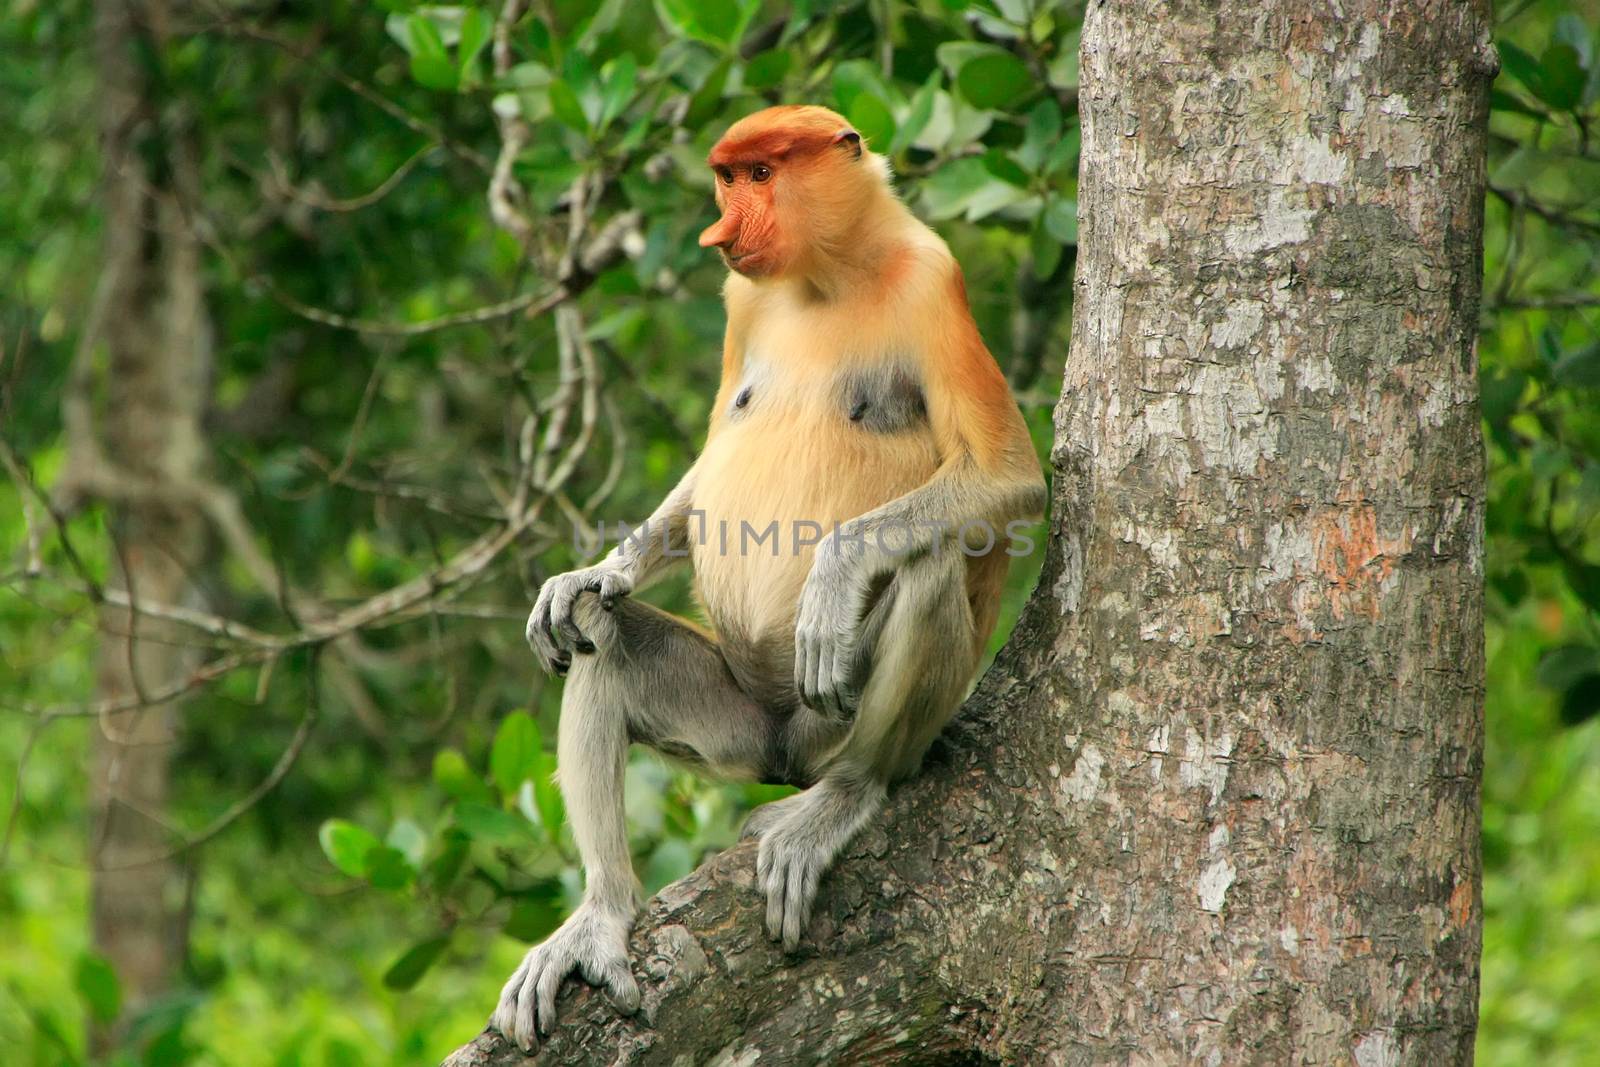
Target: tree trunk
{"type": "Point", "coordinates": [1218, 801]}
{"type": "Point", "coordinates": [147, 426]}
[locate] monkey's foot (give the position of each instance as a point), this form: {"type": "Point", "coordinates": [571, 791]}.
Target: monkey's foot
{"type": "Point", "coordinates": [801, 844]}
{"type": "Point", "coordinates": [768, 815]}
{"type": "Point", "coordinates": [594, 942]}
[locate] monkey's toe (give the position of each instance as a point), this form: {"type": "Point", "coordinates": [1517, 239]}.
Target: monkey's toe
{"type": "Point", "coordinates": [591, 942]}
{"type": "Point", "coordinates": [790, 871]}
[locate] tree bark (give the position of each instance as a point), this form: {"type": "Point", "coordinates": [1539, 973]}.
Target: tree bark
{"type": "Point", "coordinates": [147, 424]}
{"type": "Point", "coordinates": [1218, 800]}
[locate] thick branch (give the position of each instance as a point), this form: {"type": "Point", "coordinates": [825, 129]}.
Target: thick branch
{"type": "Point", "coordinates": [877, 977]}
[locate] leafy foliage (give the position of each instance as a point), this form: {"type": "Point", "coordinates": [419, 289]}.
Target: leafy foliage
{"type": "Point", "coordinates": [367, 908]}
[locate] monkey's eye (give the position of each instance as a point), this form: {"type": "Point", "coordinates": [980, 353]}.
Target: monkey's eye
{"type": "Point", "coordinates": [726, 174]}
{"type": "Point", "coordinates": [760, 172]}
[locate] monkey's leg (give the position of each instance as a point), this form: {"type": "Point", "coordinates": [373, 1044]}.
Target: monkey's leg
{"type": "Point", "coordinates": [653, 679]}
{"type": "Point", "coordinates": [918, 656]}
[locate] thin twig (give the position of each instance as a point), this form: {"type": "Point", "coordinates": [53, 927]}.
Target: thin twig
{"type": "Point", "coordinates": [280, 769]}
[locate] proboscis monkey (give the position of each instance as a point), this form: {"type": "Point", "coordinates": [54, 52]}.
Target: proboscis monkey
{"type": "Point", "coordinates": [847, 523]}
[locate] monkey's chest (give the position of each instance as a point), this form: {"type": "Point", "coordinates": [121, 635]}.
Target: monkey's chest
{"type": "Point", "coordinates": [795, 456]}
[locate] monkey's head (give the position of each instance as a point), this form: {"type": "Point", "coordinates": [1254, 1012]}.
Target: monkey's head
{"type": "Point", "coordinates": [791, 182]}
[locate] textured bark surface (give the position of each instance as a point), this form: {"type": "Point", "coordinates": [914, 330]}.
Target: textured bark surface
{"type": "Point", "coordinates": [151, 318]}
{"type": "Point", "coordinates": [1218, 801]}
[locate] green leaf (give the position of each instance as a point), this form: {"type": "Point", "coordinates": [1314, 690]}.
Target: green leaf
{"type": "Point", "coordinates": [492, 824]}
{"type": "Point", "coordinates": [620, 77]}
{"type": "Point", "coordinates": [564, 105]}
{"type": "Point", "coordinates": [514, 758]}
{"type": "Point", "coordinates": [430, 66]}
{"type": "Point", "coordinates": [346, 845]}
{"type": "Point", "coordinates": [409, 838]}
{"type": "Point", "coordinates": [548, 799]}
{"type": "Point", "coordinates": [97, 984]}
{"type": "Point", "coordinates": [1064, 156]}
{"type": "Point", "coordinates": [1045, 250]}
{"type": "Point", "coordinates": [1562, 666]}
{"type": "Point", "coordinates": [442, 871]}
{"type": "Point", "coordinates": [719, 23]}
{"type": "Point", "coordinates": [1005, 168]}
{"type": "Point", "coordinates": [1580, 369]}
{"type": "Point", "coordinates": [476, 29]}
{"type": "Point", "coordinates": [1042, 131]}
{"type": "Point", "coordinates": [917, 115]}
{"type": "Point", "coordinates": [968, 188]}
{"type": "Point", "coordinates": [1571, 29]}
{"type": "Point", "coordinates": [1563, 76]}
{"type": "Point", "coordinates": [433, 72]}
{"type": "Point", "coordinates": [1061, 220]}
{"type": "Point", "coordinates": [388, 868]}
{"type": "Point", "coordinates": [767, 69]}
{"type": "Point", "coordinates": [708, 98]}
{"type": "Point", "coordinates": [1503, 101]}
{"type": "Point", "coordinates": [1557, 77]}
{"type": "Point", "coordinates": [871, 118]}
{"type": "Point", "coordinates": [953, 55]}
{"type": "Point", "coordinates": [1518, 64]}
{"type": "Point", "coordinates": [535, 914]}
{"type": "Point", "coordinates": [455, 779]}
{"type": "Point", "coordinates": [407, 971]}
{"type": "Point", "coordinates": [1502, 390]}
{"type": "Point", "coordinates": [1581, 701]}
{"type": "Point", "coordinates": [995, 81]}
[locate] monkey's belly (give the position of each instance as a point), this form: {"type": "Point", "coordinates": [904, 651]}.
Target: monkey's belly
{"type": "Point", "coordinates": [765, 498]}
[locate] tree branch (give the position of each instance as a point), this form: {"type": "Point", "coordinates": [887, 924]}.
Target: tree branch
{"type": "Point", "coordinates": [879, 974]}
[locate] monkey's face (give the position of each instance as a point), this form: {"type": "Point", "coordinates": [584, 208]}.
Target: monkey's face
{"type": "Point", "coordinates": [751, 234]}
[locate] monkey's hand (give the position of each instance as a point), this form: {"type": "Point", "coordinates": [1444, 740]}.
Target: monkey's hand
{"type": "Point", "coordinates": [827, 636]}
{"type": "Point", "coordinates": [593, 942]}
{"type": "Point", "coordinates": [551, 629]}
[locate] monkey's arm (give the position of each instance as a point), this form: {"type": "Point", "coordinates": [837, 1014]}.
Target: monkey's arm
{"type": "Point", "coordinates": [962, 508]}
{"type": "Point", "coordinates": [989, 476]}
{"type": "Point", "coordinates": [637, 560]}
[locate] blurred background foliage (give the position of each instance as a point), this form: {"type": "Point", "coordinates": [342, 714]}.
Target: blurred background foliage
{"type": "Point", "coordinates": [383, 191]}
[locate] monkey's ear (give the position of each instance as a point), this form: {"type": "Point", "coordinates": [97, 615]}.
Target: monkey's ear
{"type": "Point", "coordinates": [850, 139]}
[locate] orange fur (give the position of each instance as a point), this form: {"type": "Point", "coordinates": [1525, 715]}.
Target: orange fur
{"type": "Point", "coordinates": [848, 277]}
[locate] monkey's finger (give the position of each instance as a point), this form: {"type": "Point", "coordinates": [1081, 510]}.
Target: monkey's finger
{"type": "Point", "coordinates": [549, 983]}
{"type": "Point", "coordinates": [621, 988]}
{"type": "Point", "coordinates": [538, 627]}
{"type": "Point", "coordinates": [804, 654]}
{"type": "Point", "coordinates": [822, 678]}
{"type": "Point", "coordinates": [771, 875]}
{"type": "Point", "coordinates": [563, 629]}
{"type": "Point", "coordinates": [815, 653]}
{"type": "Point", "coordinates": [834, 677]}
{"type": "Point", "coordinates": [505, 1012]}
{"type": "Point", "coordinates": [797, 903]}
{"type": "Point", "coordinates": [551, 658]}
{"type": "Point", "coordinates": [524, 1031]}
{"type": "Point", "coordinates": [775, 892]}
{"type": "Point", "coordinates": [613, 588]}
{"type": "Point", "coordinates": [845, 692]}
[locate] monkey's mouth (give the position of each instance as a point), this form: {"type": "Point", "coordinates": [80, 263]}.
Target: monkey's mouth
{"type": "Point", "coordinates": [749, 264]}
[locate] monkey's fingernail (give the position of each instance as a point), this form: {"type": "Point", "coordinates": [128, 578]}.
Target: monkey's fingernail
{"type": "Point", "coordinates": [607, 603]}
{"type": "Point", "coordinates": [586, 645]}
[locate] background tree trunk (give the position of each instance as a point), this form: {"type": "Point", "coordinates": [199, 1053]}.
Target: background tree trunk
{"type": "Point", "coordinates": [144, 437]}
{"type": "Point", "coordinates": [1218, 801]}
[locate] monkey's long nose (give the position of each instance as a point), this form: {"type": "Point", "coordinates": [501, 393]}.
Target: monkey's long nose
{"type": "Point", "coordinates": [720, 234]}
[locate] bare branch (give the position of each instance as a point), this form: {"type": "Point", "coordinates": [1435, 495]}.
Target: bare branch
{"type": "Point", "coordinates": [280, 769]}
{"type": "Point", "coordinates": [314, 198]}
